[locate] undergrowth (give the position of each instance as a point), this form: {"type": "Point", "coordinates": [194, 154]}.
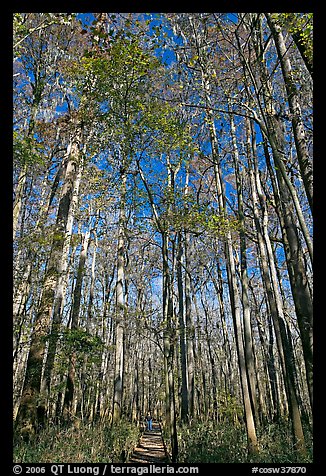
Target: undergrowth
{"type": "Point", "coordinates": [224, 443]}
{"type": "Point", "coordinates": [87, 444]}
{"type": "Point", "coordinates": [198, 443]}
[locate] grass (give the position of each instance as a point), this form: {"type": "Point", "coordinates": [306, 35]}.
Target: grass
{"type": "Point", "coordinates": [87, 444]}
{"type": "Point", "coordinates": [198, 443]}
{"type": "Point", "coordinates": [223, 443]}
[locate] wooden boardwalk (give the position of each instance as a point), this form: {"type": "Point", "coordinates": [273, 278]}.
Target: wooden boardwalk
{"type": "Point", "coordinates": [150, 448]}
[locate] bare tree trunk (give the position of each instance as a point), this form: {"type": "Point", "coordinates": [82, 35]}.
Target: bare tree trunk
{"type": "Point", "coordinates": [226, 340]}
{"type": "Point", "coordinates": [272, 130]}
{"type": "Point", "coordinates": [297, 274]}
{"type": "Point", "coordinates": [168, 349]}
{"type": "Point", "coordinates": [31, 412]}
{"type": "Point", "coordinates": [135, 416]}
{"type": "Point", "coordinates": [60, 288]}
{"type": "Point", "coordinates": [213, 366]}
{"type": "Point", "coordinates": [70, 386]}
{"type": "Point", "coordinates": [248, 341]}
{"type": "Point", "coordinates": [274, 300]}
{"type": "Point", "coordinates": [190, 334]}
{"type": "Point", "coordinates": [19, 303]}
{"type": "Point", "coordinates": [19, 192]}
{"type": "Point", "coordinates": [202, 407]}
{"type": "Point", "coordinates": [190, 327]}
{"type": "Point", "coordinates": [304, 160]}
{"type": "Point", "coordinates": [167, 320]}
{"type": "Point", "coordinates": [120, 306]}
{"type": "Point", "coordinates": [183, 349]}
{"type": "Point", "coordinates": [233, 286]}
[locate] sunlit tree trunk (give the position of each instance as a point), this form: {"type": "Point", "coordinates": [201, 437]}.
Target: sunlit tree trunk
{"type": "Point", "coordinates": [274, 298]}
{"type": "Point", "coordinates": [31, 411]}
{"type": "Point", "coordinates": [183, 346]}
{"type": "Point", "coordinates": [168, 347]}
{"type": "Point", "coordinates": [190, 326]}
{"type": "Point", "coordinates": [214, 412]}
{"type": "Point", "coordinates": [304, 160]}
{"type": "Point", "coordinates": [61, 286]}
{"type": "Point", "coordinates": [299, 282]}
{"type": "Point", "coordinates": [120, 305]}
{"type": "Point", "coordinates": [19, 191]}
{"type": "Point", "coordinates": [232, 279]}
{"type": "Point", "coordinates": [70, 386]}
{"type": "Point", "coordinates": [248, 341]}
{"type": "Point", "coordinates": [272, 130]}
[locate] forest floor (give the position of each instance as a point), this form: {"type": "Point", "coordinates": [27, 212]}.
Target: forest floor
{"type": "Point", "coordinates": [151, 448]}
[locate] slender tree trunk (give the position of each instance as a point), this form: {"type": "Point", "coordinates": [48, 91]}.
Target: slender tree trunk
{"type": "Point", "coordinates": [213, 366]}
{"type": "Point", "coordinates": [190, 326]}
{"type": "Point", "coordinates": [183, 350]}
{"type": "Point", "coordinates": [274, 300]}
{"type": "Point", "coordinates": [135, 399]}
{"type": "Point", "coordinates": [167, 321]}
{"type": "Point", "coordinates": [31, 412]}
{"type": "Point", "coordinates": [19, 303]}
{"type": "Point", "coordinates": [168, 350]}
{"type": "Point", "coordinates": [248, 341]}
{"type": "Point", "coordinates": [226, 339]}
{"type": "Point", "coordinates": [70, 386]}
{"type": "Point", "coordinates": [19, 192]}
{"type": "Point", "coordinates": [297, 274]}
{"type": "Point", "coordinates": [190, 333]}
{"type": "Point", "coordinates": [232, 280]}
{"type": "Point", "coordinates": [304, 160]}
{"type": "Point", "coordinates": [274, 133]}
{"type": "Point", "coordinates": [120, 305]}
{"type": "Point", "coordinates": [61, 288]}
{"type": "Point", "coordinates": [92, 286]}
{"type": "Point", "coordinates": [201, 389]}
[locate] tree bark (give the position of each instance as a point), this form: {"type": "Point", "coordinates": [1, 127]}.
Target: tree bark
{"type": "Point", "coordinates": [248, 341]}
{"type": "Point", "coordinates": [272, 130]}
{"type": "Point", "coordinates": [183, 346]}
{"type": "Point", "coordinates": [190, 326]}
{"type": "Point", "coordinates": [232, 280]}
{"type": "Point", "coordinates": [19, 192]}
{"type": "Point", "coordinates": [120, 305]}
{"type": "Point", "coordinates": [274, 299]}
{"type": "Point", "coordinates": [297, 274]}
{"type": "Point", "coordinates": [31, 411]}
{"type": "Point", "coordinates": [70, 385]}
{"type": "Point", "coordinates": [305, 163]}
{"type": "Point", "coordinates": [61, 287]}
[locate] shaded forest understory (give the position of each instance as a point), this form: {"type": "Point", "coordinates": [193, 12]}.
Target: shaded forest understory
{"type": "Point", "coordinates": [200, 442]}
{"type": "Point", "coordinates": [162, 234]}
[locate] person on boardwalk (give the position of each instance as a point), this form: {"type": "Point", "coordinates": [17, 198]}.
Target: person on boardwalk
{"type": "Point", "coordinates": [149, 421]}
